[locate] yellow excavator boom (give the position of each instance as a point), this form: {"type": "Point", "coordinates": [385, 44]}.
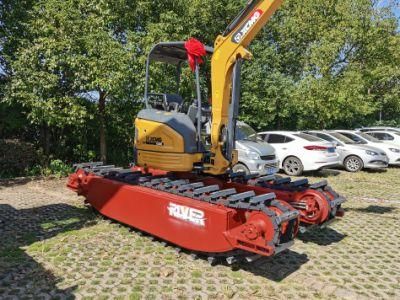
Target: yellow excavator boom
{"type": "Point", "coordinates": [229, 48]}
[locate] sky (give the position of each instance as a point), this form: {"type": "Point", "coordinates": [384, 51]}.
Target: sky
{"type": "Point", "coordinates": [396, 10]}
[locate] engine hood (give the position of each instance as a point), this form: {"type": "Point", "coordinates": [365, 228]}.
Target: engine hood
{"type": "Point", "coordinates": [370, 146]}
{"type": "Point", "coordinates": [261, 148]}
{"type": "Point", "coordinates": [363, 147]}
{"type": "Point", "coordinates": [384, 146]}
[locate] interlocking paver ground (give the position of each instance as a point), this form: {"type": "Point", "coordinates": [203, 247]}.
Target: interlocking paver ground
{"type": "Point", "coordinates": [51, 246]}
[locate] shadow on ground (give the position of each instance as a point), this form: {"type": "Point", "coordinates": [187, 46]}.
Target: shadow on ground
{"type": "Point", "coordinates": [5, 183]}
{"type": "Point", "coordinates": [325, 173]}
{"type": "Point", "coordinates": [20, 275]}
{"type": "Point", "coordinates": [375, 171]}
{"type": "Point", "coordinates": [322, 237]}
{"type": "Point", "coordinates": [275, 268]}
{"type": "Point", "coordinates": [372, 209]}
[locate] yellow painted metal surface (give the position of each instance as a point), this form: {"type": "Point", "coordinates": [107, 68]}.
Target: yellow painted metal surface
{"type": "Point", "coordinates": [226, 52]}
{"type": "Point", "coordinates": [159, 146]}
{"type": "Point", "coordinates": [178, 162]}
{"type": "Point", "coordinates": [157, 137]}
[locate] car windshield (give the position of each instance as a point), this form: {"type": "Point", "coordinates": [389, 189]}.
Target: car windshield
{"type": "Point", "coordinates": [369, 137]}
{"type": "Point", "coordinates": [245, 133]}
{"type": "Point", "coordinates": [356, 138]}
{"type": "Point", "coordinates": [308, 137]}
{"type": "Point", "coordinates": [342, 138]}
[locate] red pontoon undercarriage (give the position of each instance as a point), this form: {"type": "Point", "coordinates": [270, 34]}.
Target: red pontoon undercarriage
{"type": "Point", "coordinates": [234, 217]}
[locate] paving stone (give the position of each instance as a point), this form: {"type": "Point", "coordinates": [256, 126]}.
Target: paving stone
{"type": "Point", "coordinates": [53, 246]}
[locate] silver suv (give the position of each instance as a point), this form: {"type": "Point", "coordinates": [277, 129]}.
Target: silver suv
{"type": "Point", "coordinates": [255, 155]}
{"type": "Point", "coordinates": [353, 156]}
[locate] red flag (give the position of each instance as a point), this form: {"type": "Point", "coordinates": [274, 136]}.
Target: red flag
{"type": "Point", "coordinates": [195, 50]}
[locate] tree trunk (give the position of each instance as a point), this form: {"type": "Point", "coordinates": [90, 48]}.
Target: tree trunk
{"type": "Point", "coordinates": [45, 139]}
{"type": "Point", "coordinates": [102, 119]}
{"type": "Point", "coordinates": [278, 120]}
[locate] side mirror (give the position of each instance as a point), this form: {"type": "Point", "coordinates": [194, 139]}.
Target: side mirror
{"type": "Point", "coordinates": [338, 144]}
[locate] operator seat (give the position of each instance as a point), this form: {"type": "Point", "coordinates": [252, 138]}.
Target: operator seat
{"type": "Point", "coordinates": [174, 102]}
{"type": "Point", "coordinates": [205, 112]}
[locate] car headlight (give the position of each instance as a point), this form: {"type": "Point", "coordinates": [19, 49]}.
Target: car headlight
{"type": "Point", "coordinates": [373, 153]}
{"type": "Point", "coordinates": [253, 155]}
{"type": "Point", "coordinates": [394, 150]}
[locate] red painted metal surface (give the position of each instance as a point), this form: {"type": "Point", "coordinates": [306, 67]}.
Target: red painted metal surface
{"type": "Point", "coordinates": [222, 229]}
{"type": "Point", "coordinates": [317, 204]}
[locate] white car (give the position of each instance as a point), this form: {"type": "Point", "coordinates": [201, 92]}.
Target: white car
{"type": "Point", "coordinates": [388, 137]}
{"type": "Point", "coordinates": [378, 128]}
{"type": "Point", "coordinates": [298, 152]}
{"type": "Point", "coordinates": [391, 150]}
{"type": "Point", "coordinates": [353, 156]}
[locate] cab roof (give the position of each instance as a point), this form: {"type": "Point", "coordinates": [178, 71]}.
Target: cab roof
{"type": "Point", "coordinates": [172, 52]}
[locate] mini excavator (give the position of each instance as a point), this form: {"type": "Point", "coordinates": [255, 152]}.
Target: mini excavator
{"type": "Point", "coordinates": [181, 188]}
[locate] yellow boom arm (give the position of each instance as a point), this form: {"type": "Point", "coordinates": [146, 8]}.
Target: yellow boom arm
{"type": "Point", "coordinates": [229, 48]}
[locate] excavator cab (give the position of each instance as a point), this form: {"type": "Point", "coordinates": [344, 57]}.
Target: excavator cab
{"type": "Point", "coordinates": [168, 132]}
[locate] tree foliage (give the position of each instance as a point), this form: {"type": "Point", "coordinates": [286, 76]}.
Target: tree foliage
{"type": "Point", "coordinates": [74, 69]}
{"type": "Point", "coordinates": [338, 60]}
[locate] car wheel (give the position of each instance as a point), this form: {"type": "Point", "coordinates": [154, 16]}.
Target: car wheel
{"type": "Point", "coordinates": [293, 166]}
{"type": "Point", "coordinates": [240, 168]}
{"type": "Point", "coordinates": [353, 164]}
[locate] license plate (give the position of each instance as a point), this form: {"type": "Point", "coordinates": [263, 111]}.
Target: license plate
{"type": "Point", "coordinates": [331, 150]}
{"type": "Point", "coordinates": [271, 171]}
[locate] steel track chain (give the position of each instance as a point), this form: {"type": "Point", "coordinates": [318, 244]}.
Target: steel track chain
{"type": "Point", "coordinates": [211, 194]}
{"type": "Point", "coordinates": [286, 184]}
